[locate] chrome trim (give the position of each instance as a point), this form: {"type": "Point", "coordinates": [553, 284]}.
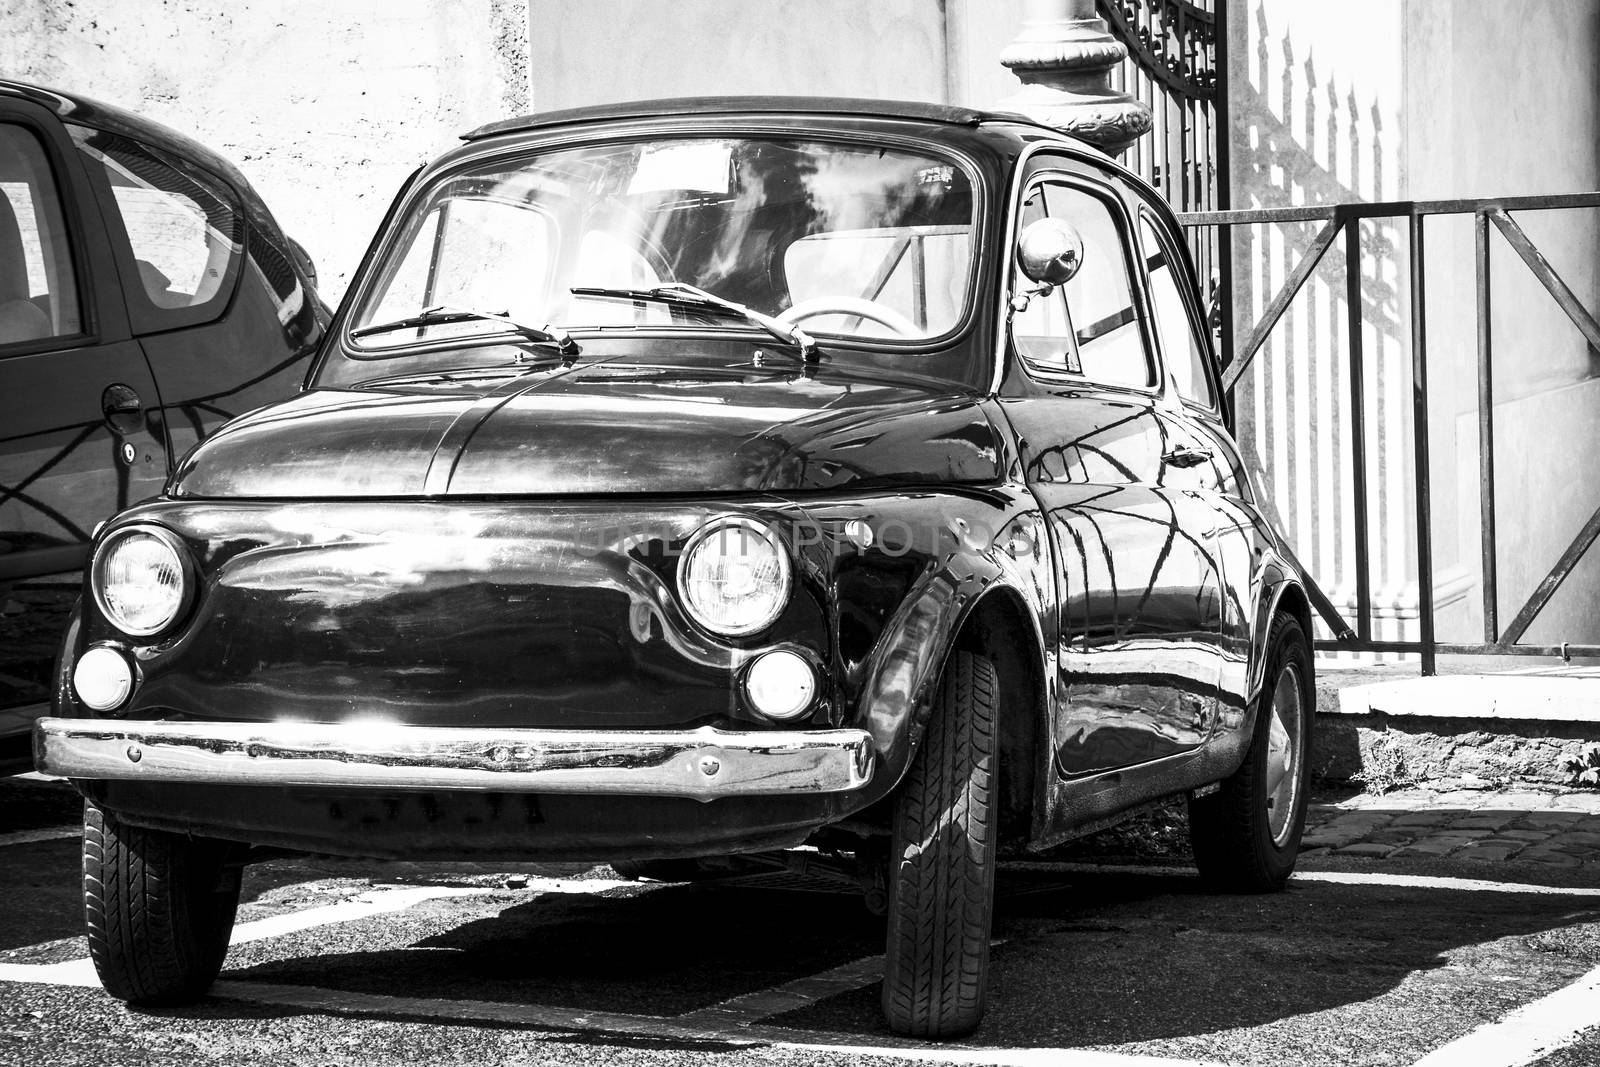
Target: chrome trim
{"type": "Point", "coordinates": [702, 764]}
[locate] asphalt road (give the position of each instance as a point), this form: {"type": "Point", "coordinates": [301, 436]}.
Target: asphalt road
{"type": "Point", "coordinates": [339, 962]}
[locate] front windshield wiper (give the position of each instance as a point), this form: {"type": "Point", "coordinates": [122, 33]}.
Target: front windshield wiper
{"type": "Point", "coordinates": [679, 294]}
{"type": "Point", "coordinates": [443, 314]}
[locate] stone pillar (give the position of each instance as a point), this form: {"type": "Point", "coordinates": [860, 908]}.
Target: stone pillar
{"type": "Point", "coordinates": [1064, 57]}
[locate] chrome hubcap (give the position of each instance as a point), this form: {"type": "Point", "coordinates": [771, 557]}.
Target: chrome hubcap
{"type": "Point", "coordinates": [1284, 741]}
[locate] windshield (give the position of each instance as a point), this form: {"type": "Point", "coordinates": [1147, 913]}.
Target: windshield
{"type": "Point", "coordinates": [846, 241]}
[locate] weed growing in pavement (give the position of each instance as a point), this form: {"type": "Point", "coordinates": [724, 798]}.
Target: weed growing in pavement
{"type": "Point", "coordinates": [1584, 767]}
{"type": "Point", "coordinates": [1384, 768]}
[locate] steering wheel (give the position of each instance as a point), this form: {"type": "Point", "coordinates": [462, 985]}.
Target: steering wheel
{"type": "Point", "coordinates": [853, 307]}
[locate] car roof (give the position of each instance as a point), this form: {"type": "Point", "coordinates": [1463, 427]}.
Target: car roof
{"type": "Point", "coordinates": [677, 107]}
{"type": "Point", "coordinates": [74, 107]}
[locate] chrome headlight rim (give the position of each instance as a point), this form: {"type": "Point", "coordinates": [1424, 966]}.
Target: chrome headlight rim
{"type": "Point", "coordinates": [174, 544]}
{"type": "Point", "coordinates": [760, 529]}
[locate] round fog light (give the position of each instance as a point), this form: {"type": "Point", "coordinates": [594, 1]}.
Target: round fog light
{"type": "Point", "coordinates": [780, 685]}
{"type": "Point", "coordinates": [103, 678]}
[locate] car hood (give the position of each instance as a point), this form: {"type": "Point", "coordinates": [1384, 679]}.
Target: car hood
{"type": "Point", "coordinates": [596, 429]}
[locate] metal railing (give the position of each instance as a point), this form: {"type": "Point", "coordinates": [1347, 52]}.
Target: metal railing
{"type": "Point", "coordinates": [1345, 220]}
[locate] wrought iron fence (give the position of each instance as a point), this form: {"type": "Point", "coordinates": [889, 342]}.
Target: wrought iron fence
{"type": "Point", "coordinates": [1343, 221]}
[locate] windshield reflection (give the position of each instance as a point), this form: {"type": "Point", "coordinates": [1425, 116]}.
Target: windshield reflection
{"type": "Point", "coordinates": [844, 240]}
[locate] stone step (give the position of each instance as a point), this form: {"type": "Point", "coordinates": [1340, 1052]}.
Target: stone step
{"type": "Point", "coordinates": [1504, 727]}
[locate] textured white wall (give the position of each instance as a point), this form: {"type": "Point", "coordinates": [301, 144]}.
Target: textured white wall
{"type": "Point", "coordinates": [326, 107]}
{"type": "Point", "coordinates": [1424, 99]}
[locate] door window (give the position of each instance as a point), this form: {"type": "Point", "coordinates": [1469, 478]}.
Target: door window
{"type": "Point", "coordinates": [184, 230]}
{"type": "Point", "coordinates": [1180, 341]}
{"type": "Point", "coordinates": [1090, 325]}
{"type": "Point", "coordinates": [38, 296]}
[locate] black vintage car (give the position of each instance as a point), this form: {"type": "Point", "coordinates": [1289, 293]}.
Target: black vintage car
{"type": "Point", "coordinates": [146, 295]}
{"type": "Point", "coordinates": [689, 481]}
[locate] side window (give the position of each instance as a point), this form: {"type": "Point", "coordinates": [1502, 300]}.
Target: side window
{"type": "Point", "coordinates": [1180, 344]}
{"type": "Point", "coordinates": [183, 227]}
{"type": "Point", "coordinates": [1088, 326]}
{"type": "Point", "coordinates": [38, 296]}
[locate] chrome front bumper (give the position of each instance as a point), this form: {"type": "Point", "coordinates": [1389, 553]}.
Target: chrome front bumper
{"type": "Point", "coordinates": [703, 764]}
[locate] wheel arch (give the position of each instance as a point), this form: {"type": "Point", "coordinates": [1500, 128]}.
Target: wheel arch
{"type": "Point", "coordinates": [998, 627]}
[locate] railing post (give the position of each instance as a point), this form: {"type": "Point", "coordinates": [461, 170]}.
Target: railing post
{"type": "Point", "coordinates": [1491, 594]}
{"type": "Point", "coordinates": [1358, 423]}
{"type": "Point", "coordinates": [1419, 427]}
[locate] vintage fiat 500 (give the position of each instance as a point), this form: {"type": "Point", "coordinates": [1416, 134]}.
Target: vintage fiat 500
{"type": "Point", "coordinates": [704, 479]}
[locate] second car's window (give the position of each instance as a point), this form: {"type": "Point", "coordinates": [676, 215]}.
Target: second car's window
{"type": "Point", "coordinates": [1090, 325]}
{"type": "Point", "coordinates": [38, 298]}
{"type": "Point", "coordinates": [183, 228]}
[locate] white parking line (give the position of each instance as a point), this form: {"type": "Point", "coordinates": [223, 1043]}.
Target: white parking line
{"type": "Point", "coordinates": [1530, 1033]}
{"type": "Point", "coordinates": [29, 837]}
{"type": "Point", "coordinates": [1399, 881]}
{"type": "Point", "coordinates": [80, 972]}
{"type": "Point", "coordinates": [1418, 881]}
{"type": "Point", "coordinates": [682, 1028]}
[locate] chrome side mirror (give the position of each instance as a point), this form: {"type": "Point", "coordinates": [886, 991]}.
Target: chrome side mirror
{"type": "Point", "coordinates": [1049, 251]}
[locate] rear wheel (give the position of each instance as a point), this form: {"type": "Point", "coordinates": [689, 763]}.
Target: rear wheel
{"type": "Point", "coordinates": [1246, 835]}
{"type": "Point", "coordinates": [942, 855]}
{"type": "Point", "coordinates": [159, 909]}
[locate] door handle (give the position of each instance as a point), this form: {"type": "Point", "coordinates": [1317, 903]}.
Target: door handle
{"type": "Point", "coordinates": [122, 407]}
{"type": "Point", "coordinates": [1185, 456]}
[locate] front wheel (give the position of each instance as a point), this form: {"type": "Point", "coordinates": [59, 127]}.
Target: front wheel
{"type": "Point", "coordinates": [1246, 835]}
{"type": "Point", "coordinates": [941, 876]}
{"type": "Point", "coordinates": [159, 909]}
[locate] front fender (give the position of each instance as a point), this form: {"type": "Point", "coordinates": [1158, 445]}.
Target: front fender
{"type": "Point", "coordinates": [950, 552]}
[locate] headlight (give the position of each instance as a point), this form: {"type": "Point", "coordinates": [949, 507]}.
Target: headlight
{"type": "Point", "coordinates": [734, 577]}
{"type": "Point", "coordinates": [140, 581]}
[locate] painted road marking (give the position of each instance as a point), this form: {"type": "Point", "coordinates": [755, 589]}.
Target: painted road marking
{"type": "Point", "coordinates": [1530, 1033]}
{"type": "Point", "coordinates": [1398, 881]}
{"type": "Point", "coordinates": [80, 972]}
{"type": "Point", "coordinates": [29, 837]}
{"type": "Point", "coordinates": [683, 1028]}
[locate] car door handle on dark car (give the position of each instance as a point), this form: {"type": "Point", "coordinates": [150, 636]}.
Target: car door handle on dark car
{"type": "Point", "coordinates": [123, 408]}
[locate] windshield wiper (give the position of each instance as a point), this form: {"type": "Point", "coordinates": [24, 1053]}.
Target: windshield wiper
{"type": "Point", "coordinates": [678, 294]}
{"type": "Point", "coordinates": [443, 314]}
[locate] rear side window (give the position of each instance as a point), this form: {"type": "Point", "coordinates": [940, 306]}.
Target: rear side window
{"type": "Point", "coordinates": [183, 229]}
{"type": "Point", "coordinates": [1089, 326]}
{"type": "Point", "coordinates": [1175, 326]}
{"type": "Point", "coordinates": [38, 296]}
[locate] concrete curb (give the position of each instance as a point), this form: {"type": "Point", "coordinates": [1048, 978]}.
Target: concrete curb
{"type": "Point", "coordinates": [1490, 728]}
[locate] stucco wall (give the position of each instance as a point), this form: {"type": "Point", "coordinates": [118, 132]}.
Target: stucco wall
{"type": "Point", "coordinates": [1424, 99]}
{"type": "Point", "coordinates": [326, 107]}
{"type": "Point", "coordinates": [609, 50]}
{"type": "Point", "coordinates": [1504, 100]}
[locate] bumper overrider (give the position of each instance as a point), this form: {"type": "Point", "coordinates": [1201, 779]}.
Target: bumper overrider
{"type": "Point", "coordinates": [701, 764]}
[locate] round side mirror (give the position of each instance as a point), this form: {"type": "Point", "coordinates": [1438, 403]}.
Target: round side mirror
{"type": "Point", "coordinates": [1049, 251]}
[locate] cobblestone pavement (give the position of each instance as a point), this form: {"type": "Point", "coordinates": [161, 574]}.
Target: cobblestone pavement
{"type": "Point", "coordinates": [1558, 829]}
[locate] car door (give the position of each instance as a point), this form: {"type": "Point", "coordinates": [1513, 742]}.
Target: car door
{"type": "Point", "coordinates": [226, 318]}
{"type": "Point", "coordinates": [80, 435]}
{"type": "Point", "coordinates": [1139, 585]}
{"type": "Point", "coordinates": [1211, 469]}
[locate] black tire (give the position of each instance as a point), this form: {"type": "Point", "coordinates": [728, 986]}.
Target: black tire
{"type": "Point", "coordinates": [942, 853]}
{"type": "Point", "coordinates": [1236, 844]}
{"type": "Point", "coordinates": [159, 909]}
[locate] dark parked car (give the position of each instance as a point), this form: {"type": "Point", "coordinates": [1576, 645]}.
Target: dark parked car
{"type": "Point", "coordinates": [146, 295]}
{"type": "Point", "coordinates": [685, 482]}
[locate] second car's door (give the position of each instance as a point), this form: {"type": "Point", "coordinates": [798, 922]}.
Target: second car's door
{"type": "Point", "coordinates": [80, 435]}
